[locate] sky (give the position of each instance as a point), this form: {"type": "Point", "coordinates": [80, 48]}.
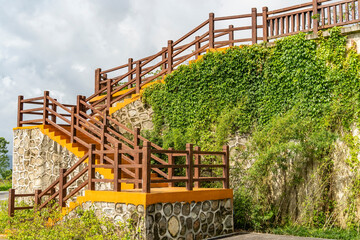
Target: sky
{"type": "Point", "coordinates": [57, 45]}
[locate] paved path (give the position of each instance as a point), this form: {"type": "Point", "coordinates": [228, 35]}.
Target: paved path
{"type": "Point", "coordinates": [264, 236]}
{"type": "Point", "coordinates": [4, 195]}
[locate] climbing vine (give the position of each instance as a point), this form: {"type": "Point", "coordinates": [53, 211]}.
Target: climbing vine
{"type": "Point", "coordinates": [293, 101]}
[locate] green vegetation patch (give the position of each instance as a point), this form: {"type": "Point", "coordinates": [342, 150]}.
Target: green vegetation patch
{"type": "Point", "coordinates": [247, 86]}
{"type": "Point", "coordinates": [334, 233]}
{"type": "Point", "coordinates": [5, 185]}
{"type": "Point", "coordinates": [291, 102]}
{"type": "Point", "coordinates": [27, 224]}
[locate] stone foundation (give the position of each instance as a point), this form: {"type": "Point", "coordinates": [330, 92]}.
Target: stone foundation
{"type": "Point", "coordinates": [179, 220]}
{"type": "Point", "coordinates": [195, 220]}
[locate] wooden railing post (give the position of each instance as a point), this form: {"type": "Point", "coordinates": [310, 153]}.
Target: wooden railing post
{"type": "Point", "coordinates": [146, 168]}
{"type": "Point", "coordinates": [108, 94]}
{"type": "Point", "coordinates": [163, 57]}
{"type": "Point", "coordinates": [137, 159]}
{"type": "Point", "coordinates": [103, 134]}
{"type": "Point", "coordinates": [79, 108]}
{"type": "Point", "coordinates": [170, 57]}
{"type": "Point", "coordinates": [211, 30]}
{"type": "Point", "coordinates": [97, 79]}
{"type": "Point", "coordinates": [197, 46]}
{"type": "Point", "coordinates": [20, 108]}
{"type": "Point", "coordinates": [254, 25]}
{"type": "Point", "coordinates": [231, 35]}
{"type": "Point", "coordinates": [136, 136]}
{"type": "Point", "coordinates": [72, 126]}
{"type": "Point", "coordinates": [197, 168]}
{"type": "Point", "coordinates": [62, 190]}
{"type": "Point", "coordinates": [189, 163]}
{"type": "Point", "coordinates": [54, 108]}
{"type": "Point", "coordinates": [37, 199]}
{"type": "Point", "coordinates": [171, 170]}
{"type": "Point", "coordinates": [11, 206]}
{"type": "Point", "coordinates": [138, 78]}
{"type": "Point", "coordinates": [91, 169]}
{"type": "Point", "coordinates": [130, 67]}
{"type": "Point", "coordinates": [52, 191]}
{"type": "Point", "coordinates": [46, 105]}
{"type": "Point", "coordinates": [265, 24]}
{"type": "Point", "coordinates": [117, 170]}
{"type": "Point", "coordinates": [226, 168]}
{"type": "Point", "coordinates": [315, 19]}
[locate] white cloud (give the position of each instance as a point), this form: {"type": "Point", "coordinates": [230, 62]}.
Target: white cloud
{"type": "Point", "coordinates": [7, 82]}
{"type": "Point", "coordinates": [78, 67]}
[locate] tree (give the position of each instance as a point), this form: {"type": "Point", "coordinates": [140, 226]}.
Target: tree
{"type": "Point", "coordinates": [4, 159]}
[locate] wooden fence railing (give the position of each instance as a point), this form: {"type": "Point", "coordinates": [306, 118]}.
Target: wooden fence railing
{"type": "Point", "coordinates": [261, 26]}
{"type": "Point", "coordinates": [131, 161]}
{"type": "Point", "coordinates": [80, 119]}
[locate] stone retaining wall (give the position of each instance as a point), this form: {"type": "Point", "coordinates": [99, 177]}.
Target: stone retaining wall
{"type": "Point", "coordinates": [37, 160]}
{"type": "Point", "coordinates": [179, 220]}
{"type": "Point", "coordinates": [135, 115]}
{"type": "Point", "coordinates": [195, 220]}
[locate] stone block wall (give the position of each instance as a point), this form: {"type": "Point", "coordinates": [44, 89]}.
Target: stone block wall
{"type": "Point", "coordinates": [195, 220]}
{"type": "Point", "coordinates": [179, 220]}
{"type": "Point", "coordinates": [37, 160]}
{"type": "Point", "coordinates": [135, 115]}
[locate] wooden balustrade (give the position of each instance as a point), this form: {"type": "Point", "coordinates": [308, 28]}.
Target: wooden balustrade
{"type": "Point", "coordinates": [310, 16]}
{"type": "Point", "coordinates": [142, 164]}
{"type": "Point", "coordinates": [115, 147]}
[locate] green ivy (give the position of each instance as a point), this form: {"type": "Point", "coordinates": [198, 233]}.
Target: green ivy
{"type": "Point", "coordinates": [250, 85]}
{"type": "Point", "coordinates": [292, 101]}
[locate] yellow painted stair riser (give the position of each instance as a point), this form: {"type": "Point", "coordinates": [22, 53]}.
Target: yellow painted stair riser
{"type": "Point", "coordinates": [163, 195]}
{"type": "Point", "coordinates": [78, 153]}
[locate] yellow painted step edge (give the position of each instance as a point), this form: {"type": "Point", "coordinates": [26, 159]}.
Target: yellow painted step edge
{"type": "Point", "coordinates": [165, 195]}
{"type": "Point", "coordinates": [137, 96]}
{"type": "Point", "coordinates": [105, 172]}
{"type": "Point", "coordinates": [134, 97]}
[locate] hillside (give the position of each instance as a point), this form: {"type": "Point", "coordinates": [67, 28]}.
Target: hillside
{"type": "Point", "coordinates": [295, 105]}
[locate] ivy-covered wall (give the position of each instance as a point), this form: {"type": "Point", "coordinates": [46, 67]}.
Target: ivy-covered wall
{"type": "Point", "coordinates": [296, 103]}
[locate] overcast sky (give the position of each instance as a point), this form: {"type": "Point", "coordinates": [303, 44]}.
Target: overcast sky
{"type": "Point", "coordinates": [56, 45]}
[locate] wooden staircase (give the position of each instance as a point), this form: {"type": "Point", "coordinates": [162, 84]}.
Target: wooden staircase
{"type": "Point", "coordinates": [79, 151]}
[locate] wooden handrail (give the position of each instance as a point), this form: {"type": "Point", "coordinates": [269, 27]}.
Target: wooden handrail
{"type": "Point", "coordinates": [266, 16]}
{"type": "Point", "coordinates": [274, 24]}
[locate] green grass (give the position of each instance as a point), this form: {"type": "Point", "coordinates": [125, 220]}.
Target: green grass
{"type": "Point", "coordinates": [332, 233]}
{"type": "Point", "coordinates": [5, 185]}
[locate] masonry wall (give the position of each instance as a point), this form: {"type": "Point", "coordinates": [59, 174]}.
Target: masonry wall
{"type": "Point", "coordinates": [179, 220]}
{"type": "Point", "coordinates": [135, 115]}
{"type": "Point", "coordinates": [37, 160]}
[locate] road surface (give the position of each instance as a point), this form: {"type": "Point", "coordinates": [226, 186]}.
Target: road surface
{"type": "Point", "coordinates": [264, 236]}
{"type": "Point", "coordinates": [4, 195]}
